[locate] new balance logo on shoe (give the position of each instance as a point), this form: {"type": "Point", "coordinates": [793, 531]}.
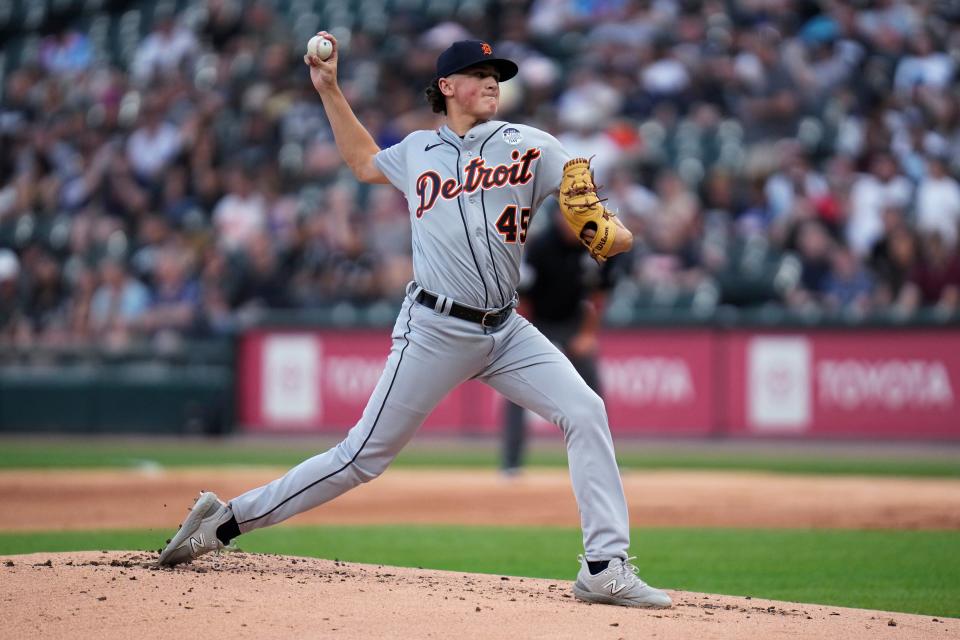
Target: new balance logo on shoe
{"type": "Point", "coordinates": [614, 587]}
{"type": "Point", "coordinates": [618, 585]}
{"type": "Point", "coordinates": [197, 534]}
{"type": "Point", "coordinates": [196, 544]}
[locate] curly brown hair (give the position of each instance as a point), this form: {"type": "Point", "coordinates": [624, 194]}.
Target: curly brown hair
{"type": "Point", "coordinates": [435, 98]}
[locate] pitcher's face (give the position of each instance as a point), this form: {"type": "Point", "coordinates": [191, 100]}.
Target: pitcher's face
{"type": "Point", "coordinates": [475, 90]}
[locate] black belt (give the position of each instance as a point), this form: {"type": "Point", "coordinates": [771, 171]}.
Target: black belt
{"type": "Point", "coordinates": [488, 319]}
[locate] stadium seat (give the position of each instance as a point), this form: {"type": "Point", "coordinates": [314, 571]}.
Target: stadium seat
{"type": "Point", "coordinates": [34, 15]}
{"type": "Point", "coordinates": [6, 14]}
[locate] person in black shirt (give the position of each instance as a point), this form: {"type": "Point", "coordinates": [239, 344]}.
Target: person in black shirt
{"type": "Point", "coordinates": [562, 292]}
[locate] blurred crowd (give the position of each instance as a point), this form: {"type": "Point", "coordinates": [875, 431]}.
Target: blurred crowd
{"type": "Point", "coordinates": [190, 181]}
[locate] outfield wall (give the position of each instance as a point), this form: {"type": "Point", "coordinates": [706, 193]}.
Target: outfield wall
{"type": "Point", "coordinates": [894, 384]}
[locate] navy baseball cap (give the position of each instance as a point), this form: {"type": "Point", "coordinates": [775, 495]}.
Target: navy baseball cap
{"type": "Point", "coordinates": [466, 53]}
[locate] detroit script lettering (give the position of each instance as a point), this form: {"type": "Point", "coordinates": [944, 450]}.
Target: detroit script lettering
{"type": "Point", "coordinates": [476, 175]}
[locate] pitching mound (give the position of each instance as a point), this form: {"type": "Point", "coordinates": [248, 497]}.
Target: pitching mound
{"type": "Point", "coordinates": [238, 595]}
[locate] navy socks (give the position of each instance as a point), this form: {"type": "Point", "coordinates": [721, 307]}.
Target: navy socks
{"type": "Point", "coordinates": [228, 531]}
{"type": "Point", "coordinates": [596, 566]}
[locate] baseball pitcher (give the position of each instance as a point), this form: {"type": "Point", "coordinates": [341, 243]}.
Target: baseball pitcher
{"type": "Point", "coordinates": [472, 187]}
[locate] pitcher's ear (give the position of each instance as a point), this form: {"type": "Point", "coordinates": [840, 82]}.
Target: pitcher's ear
{"type": "Point", "coordinates": [446, 86]}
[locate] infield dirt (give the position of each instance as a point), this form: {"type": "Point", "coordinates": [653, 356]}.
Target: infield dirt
{"type": "Point", "coordinates": [36, 500]}
{"type": "Point", "coordinates": [237, 595]}
{"type": "Point", "coordinates": [119, 595]}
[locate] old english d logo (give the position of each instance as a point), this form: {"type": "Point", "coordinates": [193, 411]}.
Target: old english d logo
{"type": "Point", "coordinates": [485, 48]}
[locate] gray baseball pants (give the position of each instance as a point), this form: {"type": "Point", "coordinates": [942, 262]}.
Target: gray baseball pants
{"type": "Point", "coordinates": [431, 354]}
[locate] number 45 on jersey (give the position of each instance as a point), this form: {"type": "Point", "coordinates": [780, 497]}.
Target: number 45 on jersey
{"type": "Point", "coordinates": [513, 227]}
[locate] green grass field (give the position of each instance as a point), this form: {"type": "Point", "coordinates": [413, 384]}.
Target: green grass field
{"type": "Point", "coordinates": [909, 571]}
{"type": "Point", "coordinates": [63, 454]}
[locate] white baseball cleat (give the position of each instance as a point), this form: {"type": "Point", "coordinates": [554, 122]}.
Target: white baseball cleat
{"type": "Point", "coordinates": [618, 584]}
{"type": "Point", "coordinates": [198, 533]}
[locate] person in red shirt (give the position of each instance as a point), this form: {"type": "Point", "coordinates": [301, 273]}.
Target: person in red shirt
{"type": "Point", "coordinates": [937, 275]}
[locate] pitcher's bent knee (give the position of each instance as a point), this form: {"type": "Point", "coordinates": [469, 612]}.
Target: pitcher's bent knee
{"type": "Point", "coordinates": [587, 413]}
{"type": "Point", "coordinates": [366, 472]}
{"type": "Point", "coordinates": [370, 463]}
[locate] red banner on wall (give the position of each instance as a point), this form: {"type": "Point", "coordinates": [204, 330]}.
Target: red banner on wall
{"type": "Point", "coordinates": [655, 382]}
{"type": "Point", "coordinates": [318, 381]}
{"type": "Point", "coordinates": [889, 384]}
{"type": "Point", "coordinates": [659, 381]}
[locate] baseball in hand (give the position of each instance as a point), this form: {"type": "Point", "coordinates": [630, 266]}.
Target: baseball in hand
{"type": "Point", "coordinates": [319, 47]}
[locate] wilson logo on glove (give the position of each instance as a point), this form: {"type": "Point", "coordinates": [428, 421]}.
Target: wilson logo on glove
{"type": "Point", "coordinates": [584, 211]}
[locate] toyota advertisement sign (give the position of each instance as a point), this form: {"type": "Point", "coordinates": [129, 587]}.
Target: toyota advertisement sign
{"type": "Point", "coordinates": [696, 382]}
{"type": "Point", "coordinates": [886, 384]}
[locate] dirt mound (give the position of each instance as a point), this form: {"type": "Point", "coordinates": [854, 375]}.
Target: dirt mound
{"type": "Point", "coordinates": [121, 595]}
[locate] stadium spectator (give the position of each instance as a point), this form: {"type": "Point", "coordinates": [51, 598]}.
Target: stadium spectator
{"type": "Point", "coordinates": [665, 78]}
{"type": "Point", "coordinates": [168, 46]}
{"type": "Point", "coordinates": [937, 275]}
{"type": "Point", "coordinates": [926, 69]}
{"type": "Point", "coordinates": [886, 24]}
{"type": "Point", "coordinates": [122, 196]}
{"type": "Point", "coordinates": [938, 202]}
{"type": "Point", "coordinates": [795, 180]}
{"type": "Point", "coordinates": [83, 287]}
{"type": "Point", "coordinates": [118, 303]}
{"type": "Point", "coordinates": [242, 212]}
{"type": "Point", "coordinates": [387, 212]}
{"type": "Point", "coordinates": [768, 98]}
{"type": "Point", "coordinates": [263, 284]}
{"type": "Point", "coordinates": [207, 140]}
{"type": "Point", "coordinates": [11, 309]}
{"type": "Point", "coordinates": [583, 109]}
{"type": "Point", "coordinates": [177, 204]}
{"type": "Point", "coordinates": [45, 305]}
{"type": "Point", "coordinates": [66, 51]}
{"type": "Point", "coordinates": [155, 143]}
{"type": "Point", "coordinates": [219, 290]}
{"type": "Point", "coordinates": [175, 297]}
{"type": "Point", "coordinates": [281, 210]}
{"type": "Point", "coordinates": [224, 22]}
{"type": "Point", "coordinates": [628, 198]}
{"type": "Point", "coordinates": [17, 110]}
{"type": "Point", "coordinates": [894, 259]}
{"type": "Point", "coordinates": [820, 60]}
{"type": "Point", "coordinates": [814, 247]}
{"type": "Point", "coordinates": [849, 286]}
{"type": "Point", "coordinates": [757, 215]}
{"type": "Point", "coordinates": [349, 267]}
{"type": "Point", "coordinates": [674, 258]}
{"type": "Point", "coordinates": [881, 186]}
{"type": "Point", "coordinates": [834, 207]}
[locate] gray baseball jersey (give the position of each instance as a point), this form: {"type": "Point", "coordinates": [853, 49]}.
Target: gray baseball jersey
{"type": "Point", "coordinates": [470, 200]}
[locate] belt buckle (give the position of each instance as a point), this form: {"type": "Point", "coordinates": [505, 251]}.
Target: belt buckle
{"type": "Point", "coordinates": [483, 320]}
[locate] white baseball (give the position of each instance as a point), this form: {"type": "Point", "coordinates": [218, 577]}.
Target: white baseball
{"type": "Point", "coordinates": [319, 47]}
